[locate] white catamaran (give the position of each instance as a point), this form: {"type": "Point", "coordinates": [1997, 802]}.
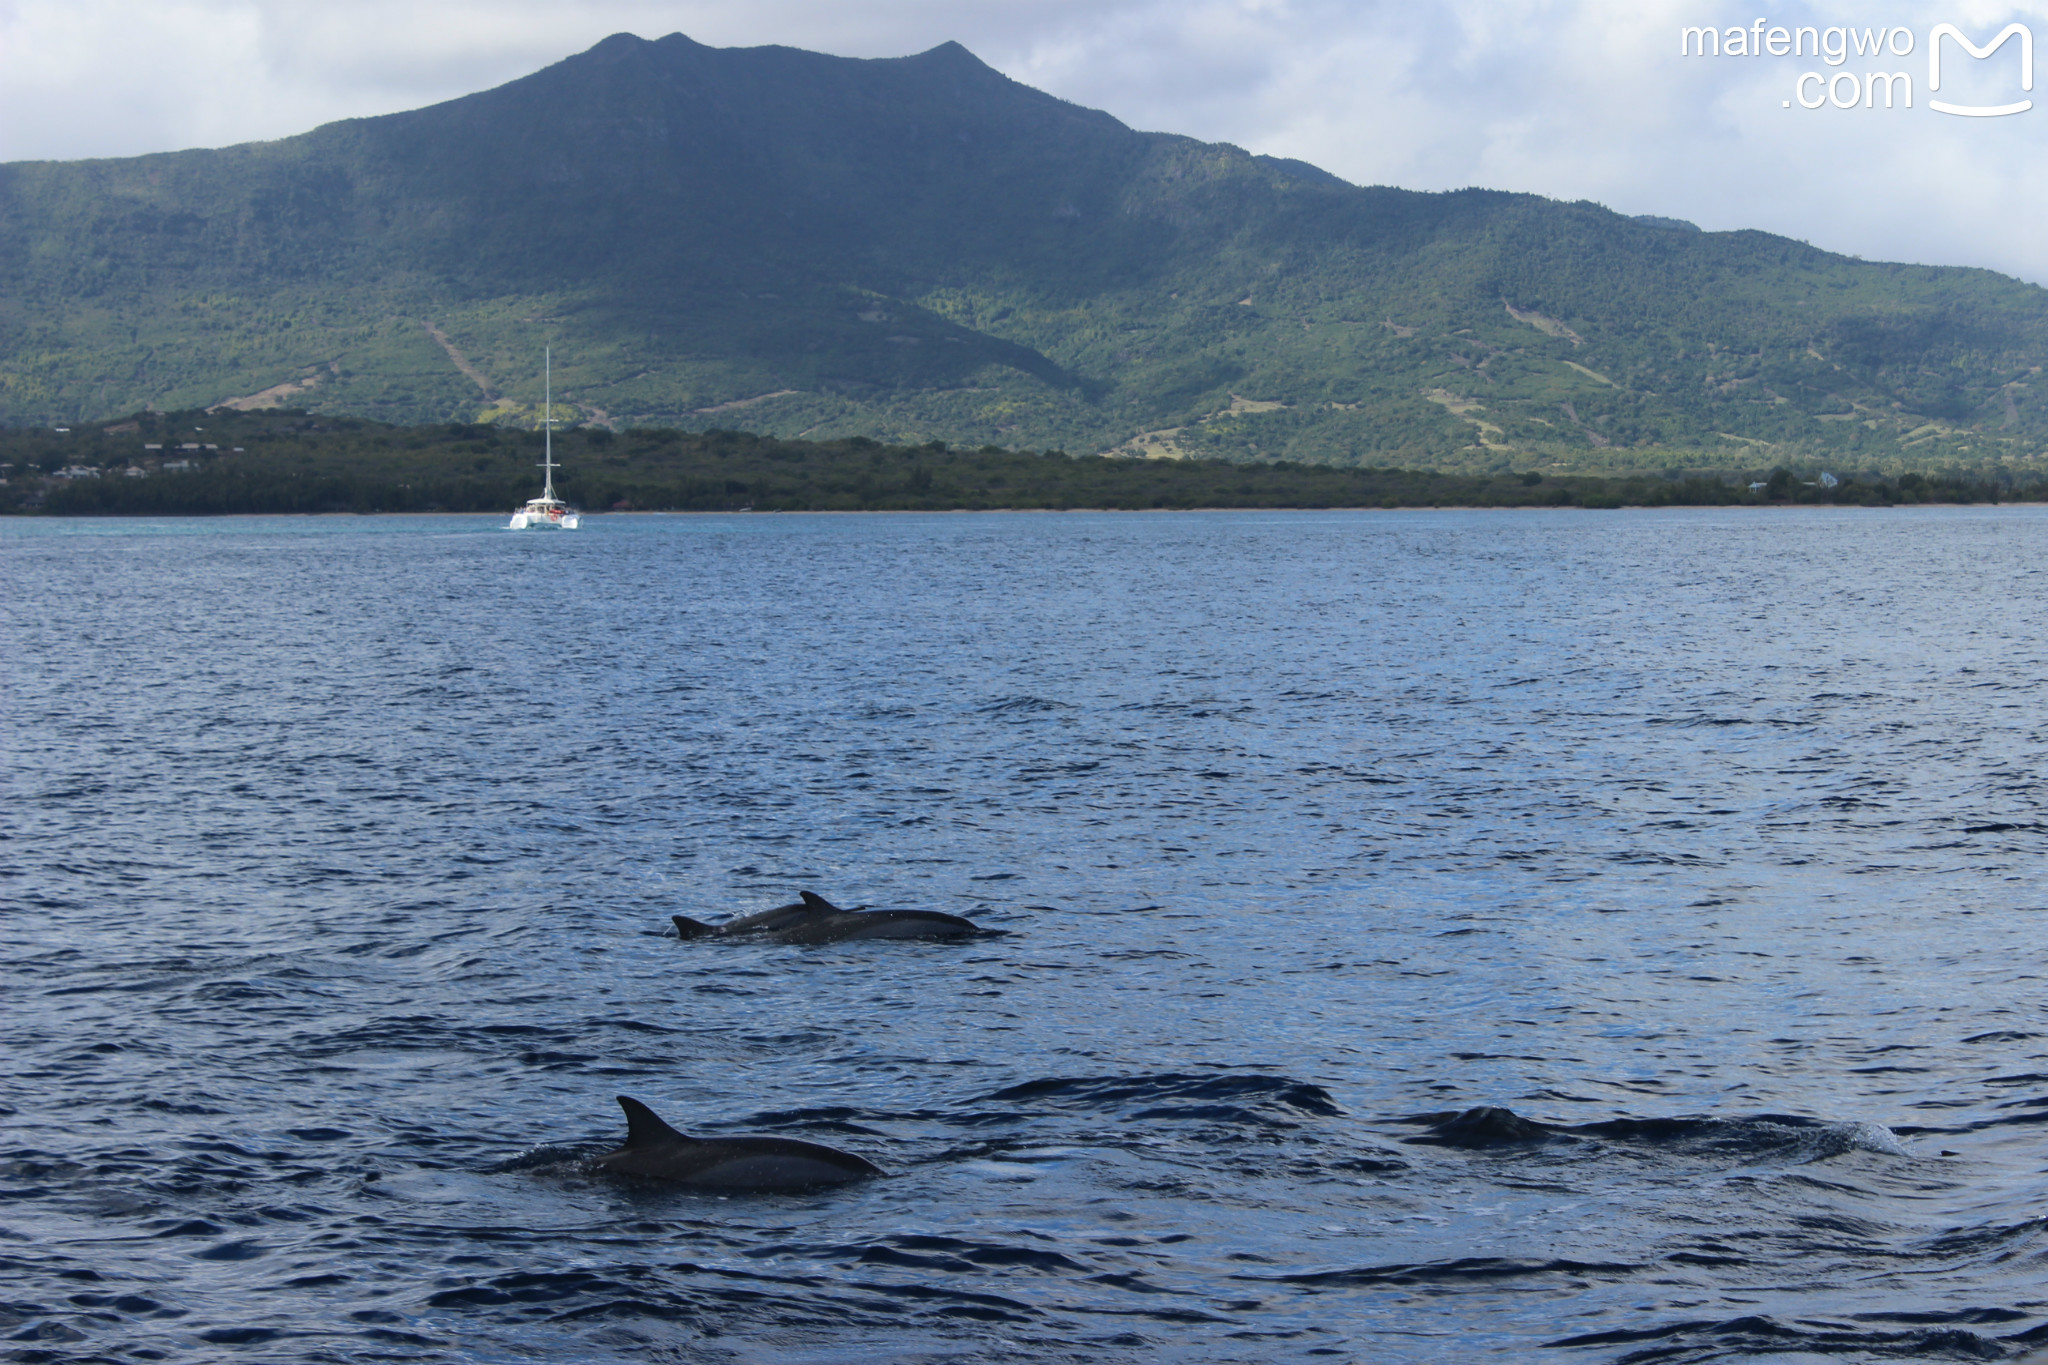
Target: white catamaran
{"type": "Point", "coordinates": [547, 509]}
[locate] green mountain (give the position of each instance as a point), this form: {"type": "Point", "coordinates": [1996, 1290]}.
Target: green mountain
{"type": "Point", "coordinates": [922, 249]}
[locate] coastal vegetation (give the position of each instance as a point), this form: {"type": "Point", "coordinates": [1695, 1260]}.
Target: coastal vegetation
{"type": "Point", "coordinates": [200, 463]}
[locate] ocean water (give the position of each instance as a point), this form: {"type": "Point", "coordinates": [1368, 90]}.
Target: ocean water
{"type": "Point", "coordinates": [336, 855]}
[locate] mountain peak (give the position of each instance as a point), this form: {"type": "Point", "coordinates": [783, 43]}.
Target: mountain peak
{"type": "Point", "coordinates": [952, 53]}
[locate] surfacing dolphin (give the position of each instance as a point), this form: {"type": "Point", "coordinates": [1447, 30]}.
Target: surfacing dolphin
{"type": "Point", "coordinates": [817, 920]}
{"type": "Point", "coordinates": [655, 1151]}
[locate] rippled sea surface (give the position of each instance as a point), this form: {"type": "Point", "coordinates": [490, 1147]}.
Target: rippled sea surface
{"type": "Point", "coordinates": [338, 854]}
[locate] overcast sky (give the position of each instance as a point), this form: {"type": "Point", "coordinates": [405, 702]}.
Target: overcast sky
{"type": "Point", "coordinates": [1577, 99]}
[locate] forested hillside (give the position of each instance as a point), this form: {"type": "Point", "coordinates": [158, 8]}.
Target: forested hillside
{"type": "Point", "coordinates": [920, 249]}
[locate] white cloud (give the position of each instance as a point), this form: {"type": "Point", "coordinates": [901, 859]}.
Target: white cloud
{"type": "Point", "coordinates": [1570, 98]}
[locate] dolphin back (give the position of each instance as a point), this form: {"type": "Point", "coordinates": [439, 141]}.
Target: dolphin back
{"type": "Point", "coordinates": [760, 922]}
{"type": "Point", "coordinates": [655, 1151]}
{"type": "Point", "coordinates": [817, 920]}
{"type": "Point", "coordinates": [915, 924]}
{"type": "Point", "coordinates": [871, 924]}
{"type": "Point", "coordinates": [766, 1163]}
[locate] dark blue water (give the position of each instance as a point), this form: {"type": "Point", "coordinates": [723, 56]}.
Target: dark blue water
{"type": "Point", "coordinates": [337, 855]}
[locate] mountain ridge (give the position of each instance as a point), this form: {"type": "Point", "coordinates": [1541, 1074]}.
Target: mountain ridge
{"type": "Point", "coordinates": [921, 248]}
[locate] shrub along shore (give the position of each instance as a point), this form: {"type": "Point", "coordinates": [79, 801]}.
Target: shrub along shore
{"type": "Point", "coordinates": [199, 463]}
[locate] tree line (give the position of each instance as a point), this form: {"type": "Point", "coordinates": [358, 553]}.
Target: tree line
{"type": "Point", "coordinates": [296, 462]}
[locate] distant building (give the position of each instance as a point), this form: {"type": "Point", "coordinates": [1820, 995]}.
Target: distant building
{"type": "Point", "coordinates": [77, 471]}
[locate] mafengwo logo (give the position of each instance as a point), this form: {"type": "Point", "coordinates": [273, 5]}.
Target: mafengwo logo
{"type": "Point", "coordinates": [1873, 48]}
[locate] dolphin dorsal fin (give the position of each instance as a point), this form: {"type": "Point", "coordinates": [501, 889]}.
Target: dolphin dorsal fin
{"type": "Point", "coordinates": [687, 928]}
{"type": "Point", "coordinates": [819, 904]}
{"type": "Point", "coordinates": [644, 1127]}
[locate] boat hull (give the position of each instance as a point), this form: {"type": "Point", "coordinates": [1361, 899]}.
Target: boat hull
{"type": "Point", "coordinates": [561, 521]}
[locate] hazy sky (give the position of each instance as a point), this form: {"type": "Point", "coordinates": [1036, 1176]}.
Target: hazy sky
{"type": "Point", "coordinates": [1577, 99]}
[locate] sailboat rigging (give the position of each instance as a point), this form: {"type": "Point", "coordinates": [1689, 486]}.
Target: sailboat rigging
{"type": "Point", "coordinates": [547, 509]}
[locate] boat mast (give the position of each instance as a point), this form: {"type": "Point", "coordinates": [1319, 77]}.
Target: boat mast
{"type": "Point", "coordinates": [548, 421]}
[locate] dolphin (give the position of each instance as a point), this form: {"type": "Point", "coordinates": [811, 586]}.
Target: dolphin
{"type": "Point", "coordinates": [1484, 1126]}
{"type": "Point", "coordinates": [817, 920]}
{"type": "Point", "coordinates": [761, 922]}
{"type": "Point", "coordinates": [655, 1151]}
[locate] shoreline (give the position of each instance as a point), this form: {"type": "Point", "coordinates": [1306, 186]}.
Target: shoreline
{"type": "Point", "coordinates": [7, 517]}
